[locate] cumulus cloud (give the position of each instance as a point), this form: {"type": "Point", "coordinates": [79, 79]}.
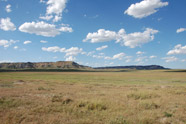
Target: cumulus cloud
{"type": "Point", "coordinates": [145, 8]}
{"type": "Point", "coordinates": [141, 59]}
{"type": "Point", "coordinates": [40, 28]}
{"type": "Point", "coordinates": [98, 56]}
{"type": "Point", "coordinates": [27, 42]}
{"type": "Point", "coordinates": [101, 48]}
{"type": "Point", "coordinates": [119, 56]}
{"type": "Point", "coordinates": [140, 53]}
{"type": "Point", "coordinates": [8, 8]}
{"type": "Point", "coordinates": [43, 41]}
{"type": "Point", "coordinates": [42, 1]}
{"type": "Point", "coordinates": [73, 51]}
{"type": "Point", "coordinates": [56, 6]}
{"type": "Point", "coordinates": [52, 49]}
{"type": "Point", "coordinates": [70, 58]}
{"type": "Point", "coordinates": [131, 40]}
{"type": "Point", "coordinates": [57, 18]}
{"type": "Point", "coordinates": [170, 59]}
{"type": "Point", "coordinates": [47, 17]}
{"type": "Point", "coordinates": [152, 57]}
{"type": "Point", "coordinates": [43, 29]}
{"type": "Point", "coordinates": [180, 30]}
{"type": "Point", "coordinates": [138, 38]}
{"type": "Point", "coordinates": [54, 9]}
{"type": "Point", "coordinates": [178, 49]}
{"type": "Point", "coordinates": [101, 36]}
{"type": "Point", "coordinates": [16, 47]}
{"type": "Point", "coordinates": [66, 29]}
{"type": "Point", "coordinates": [183, 60]}
{"type": "Point", "coordinates": [7, 43]}
{"type": "Point", "coordinates": [88, 53]}
{"type": "Point", "coordinates": [6, 24]}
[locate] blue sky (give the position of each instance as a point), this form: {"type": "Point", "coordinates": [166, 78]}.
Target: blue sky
{"type": "Point", "coordinates": [94, 32]}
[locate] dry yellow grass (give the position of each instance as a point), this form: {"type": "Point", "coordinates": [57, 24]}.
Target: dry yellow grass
{"type": "Point", "coordinates": [138, 97]}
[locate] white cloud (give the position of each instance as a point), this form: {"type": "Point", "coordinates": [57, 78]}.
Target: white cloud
{"type": "Point", "coordinates": [43, 29]}
{"type": "Point", "coordinates": [16, 47]}
{"type": "Point", "coordinates": [57, 18]}
{"type": "Point", "coordinates": [141, 59]}
{"type": "Point", "coordinates": [101, 54]}
{"type": "Point", "coordinates": [170, 59]}
{"type": "Point", "coordinates": [107, 58]}
{"type": "Point", "coordinates": [6, 43]}
{"type": "Point", "coordinates": [89, 53]}
{"type": "Point", "coordinates": [70, 58]}
{"type": "Point", "coordinates": [66, 29]}
{"type": "Point", "coordinates": [27, 42]}
{"type": "Point", "coordinates": [73, 51]}
{"type": "Point", "coordinates": [43, 41]}
{"type": "Point", "coordinates": [47, 17]}
{"type": "Point", "coordinates": [56, 7]}
{"type": "Point", "coordinates": [101, 36]}
{"type": "Point", "coordinates": [183, 60]}
{"type": "Point", "coordinates": [6, 24]}
{"type": "Point", "coordinates": [42, 1]}
{"type": "Point", "coordinates": [180, 30]}
{"type": "Point", "coordinates": [140, 53]}
{"type": "Point", "coordinates": [138, 38]}
{"type": "Point", "coordinates": [8, 8]}
{"type": "Point", "coordinates": [101, 48]}
{"type": "Point", "coordinates": [98, 56]}
{"type": "Point", "coordinates": [119, 56]}
{"type": "Point", "coordinates": [128, 60]}
{"type": "Point", "coordinates": [178, 49]}
{"type": "Point", "coordinates": [152, 57]}
{"type": "Point", "coordinates": [145, 8]}
{"type": "Point", "coordinates": [52, 49]}
{"type": "Point", "coordinates": [40, 28]}
{"type": "Point", "coordinates": [131, 40]}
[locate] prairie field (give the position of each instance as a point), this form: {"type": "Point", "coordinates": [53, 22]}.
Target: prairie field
{"type": "Point", "coordinates": [126, 97]}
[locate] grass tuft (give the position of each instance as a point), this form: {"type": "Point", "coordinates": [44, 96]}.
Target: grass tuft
{"type": "Point", "coordinates": [142, 96]}
{"type": "Point", "coordinates": [9, 103]}
{"type": "Point", "coordinates": [119, 120]}
{"type": "Point", "coordinates": [166, 114]}
{"type": "Point", "coordinates": [63, 100]}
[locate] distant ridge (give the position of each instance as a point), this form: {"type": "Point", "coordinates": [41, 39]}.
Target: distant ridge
{"type": "Point", "coordinates": [43, 65]}
{"type": "Point", "coordinates": [68, 65]}
{"type": "Point", "coordinates": [137, 67]}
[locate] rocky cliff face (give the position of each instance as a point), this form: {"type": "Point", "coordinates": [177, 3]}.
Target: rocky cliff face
{"type": "Point", "coordinates": [43, 65]}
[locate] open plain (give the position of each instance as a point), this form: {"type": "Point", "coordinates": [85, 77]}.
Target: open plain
{"type": "Point", "coordinates": [125, 97]}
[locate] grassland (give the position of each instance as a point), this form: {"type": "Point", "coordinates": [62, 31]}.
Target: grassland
{"type": "Point", "coordinates": [129, 97]}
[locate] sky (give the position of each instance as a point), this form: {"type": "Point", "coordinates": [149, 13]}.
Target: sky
{"type": "Point", "coordinates": [94, 32]}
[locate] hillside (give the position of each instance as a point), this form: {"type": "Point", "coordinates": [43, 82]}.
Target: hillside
{"type": "Point", "coordinates": [67, 65]}
{"type": "Point", "coordinates": [137, 67]}
{"type": "Point", "coordinates": [43, 65]}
